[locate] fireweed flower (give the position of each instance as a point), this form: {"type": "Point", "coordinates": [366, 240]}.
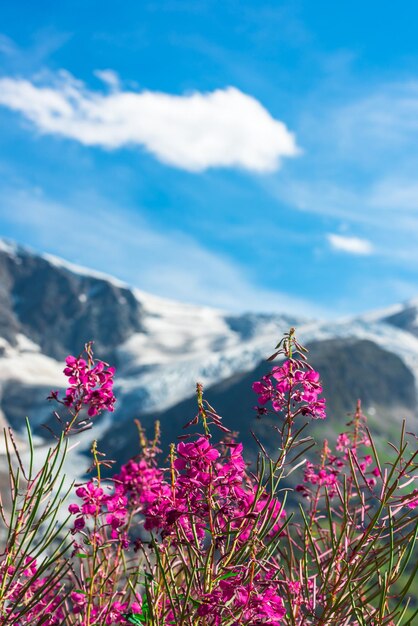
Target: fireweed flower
{"type": "Point", "coordinates": [90, 385]}
{"type": "Point", "coordinates": [112, 509]}
{"type": "Point", "coordinates": [212, 527]}
{"type": "Point", "coordinates": [331, 471]}
{"type": "Point", "coordinates": [203, 481]}
{"type": "Point", "coordinates": [142, 482]}
{"type": "Point", "coordinates": [257, 603]}
{"type": "Point", "coordinates": [209, 489]}
{"type": "Point", "coordinates": [27, 590]}
{"type": "Point", "coordinates": [291, 385]}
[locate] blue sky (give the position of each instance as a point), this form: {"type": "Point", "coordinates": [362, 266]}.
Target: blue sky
{"type": "Point", "coordinates": [245, 155]}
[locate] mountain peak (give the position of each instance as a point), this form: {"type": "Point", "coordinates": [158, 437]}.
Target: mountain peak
{"type": "Point", "coordinates": [403, 315]}
{"type": "Point", "coordinates": [49, 308]}
{"type": "Point", "coordinates": [60, 308]}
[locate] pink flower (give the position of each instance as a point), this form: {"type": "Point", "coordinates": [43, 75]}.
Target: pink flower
{"type": "Point", "coordinates": [116, 611]}
{"type": "Point", "coordinates": [196, 450]}
{"type": "Point", "coordinates": [92, 496]}
{"type": "Point", "coordinates": [91, 386]}
{"type": "Point", "coordinates": [297, 384]}
{"type": "Point", "coordinates": [264, 389]}
{"type": "Point", "coordinates": [343, 442]}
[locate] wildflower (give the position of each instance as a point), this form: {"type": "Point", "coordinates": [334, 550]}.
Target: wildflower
{"type": "Point", "coordinates": [343, 442]}
{"type": "Point", "coordinates": [27, 587]}
{"type": "Point", "coordinates": [90, 385]}
{"type": "Point", "coordinates": [197, 450]}
{"type": "Point", "coordinates": [292, 384]}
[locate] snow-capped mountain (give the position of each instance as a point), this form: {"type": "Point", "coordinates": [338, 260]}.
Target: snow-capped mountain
{"type": "Point", "coordinates": [403, 316]}
{"type": "Point", "coordinates": [49, 308]}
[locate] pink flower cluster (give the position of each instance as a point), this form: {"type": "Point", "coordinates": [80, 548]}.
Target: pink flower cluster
{"type": "Point", "coordinates": [328, 473]}
{"type": "Point", "coordinates": [142, 482]}
{"type": "Point", "coordinates": [206, 523]}
{"type": "Point", "coordinates": [112, 613]}
{"type": "Point", "coordinates": [206, 486]}
{"type": "Point", "coordinates": [292, 386]}
{"type": "Point", "coordinates": [305, 597]}
{"type": "Point", "coordinates": [112, 507]}
{"type": "Point", "coordinates": [208, 489]}
{"type": "Point", "coordinates": [91, 386]}
{"type": "Point", "coordinates": [258, 603]}
{"type": "Point", "coordinates": [45, 601]}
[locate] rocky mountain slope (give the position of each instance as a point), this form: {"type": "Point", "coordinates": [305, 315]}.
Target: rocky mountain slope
{"type": "Point", "coordinates": [50, 308]}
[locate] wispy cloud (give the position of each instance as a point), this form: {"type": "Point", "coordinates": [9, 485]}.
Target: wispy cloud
{"type": "Point", "coordinates": [7, 46]}
{"type": "Point", "coordinates": [399, 194]}
{"type": "Point", "coordinates": [109, 77]}
{"type": "Point", "coordinates": [352, 245]}
{"type": "Point", "coordinates": [361, 158]}
{"type": "Point", "coordinates": [383, 118]}
{"type": "Point", "coordinates": [223, 128]}
{"type": "Point", "coordinates": [42, 44]}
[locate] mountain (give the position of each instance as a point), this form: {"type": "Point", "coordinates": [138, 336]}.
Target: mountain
{"type": "Point", "coordinates": [403, 316]}
{"type": "Point", "coordinates": [49, 308]}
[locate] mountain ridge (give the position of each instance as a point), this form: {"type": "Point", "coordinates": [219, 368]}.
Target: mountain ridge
{"type": "Point", "coordinates": [50, 308]}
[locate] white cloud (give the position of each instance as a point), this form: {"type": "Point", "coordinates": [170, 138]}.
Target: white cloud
{"type": "Point", "coordinates": [222, 128]}
{"type": "Point", "coordinates": [352, 245]}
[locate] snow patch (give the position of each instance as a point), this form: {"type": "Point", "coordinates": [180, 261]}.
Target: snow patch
{"type": "Point", "coordinates": [83, 271]}
{"type": "Point", "coordinates": [380, 315]}
{"type": "Point", "coordinates": [24, 344]}
{"type": "Point", "coordinates": [31, 368]}
{"type": "Point", "coordinates": [8, 247]}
